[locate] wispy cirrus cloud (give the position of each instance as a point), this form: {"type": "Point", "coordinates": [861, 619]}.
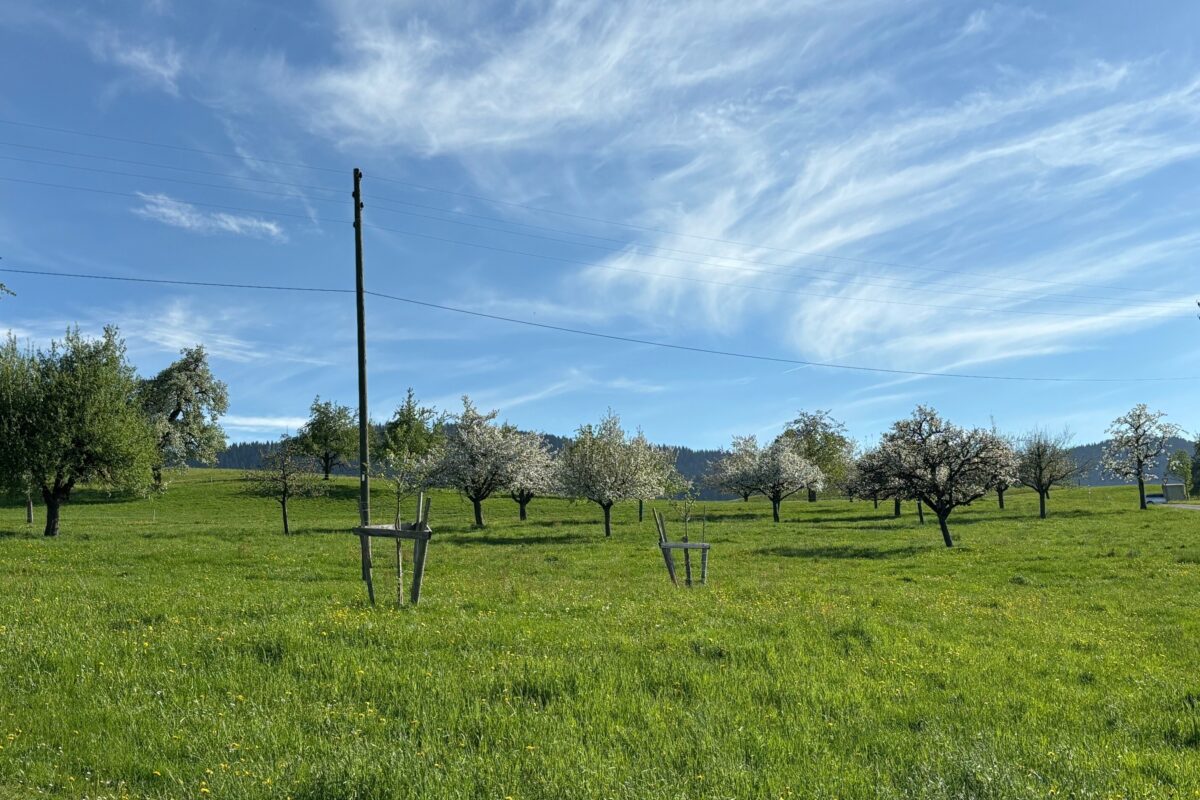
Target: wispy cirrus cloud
{"type": "Point", "coordinates": [179, 214]}
{"type": "Point", "coordinates": [525, 77]}
{"type": "Point", "coordinates": [156, 63]}
{"type": "Point", "coordinates": [774, 148]}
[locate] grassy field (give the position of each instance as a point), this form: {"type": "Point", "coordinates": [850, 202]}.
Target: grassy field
{"type": "Point", "coordinates": [183, 647]}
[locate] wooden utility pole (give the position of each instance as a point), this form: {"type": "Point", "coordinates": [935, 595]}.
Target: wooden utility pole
{"type": "Point", "coordinates": [364, 455]}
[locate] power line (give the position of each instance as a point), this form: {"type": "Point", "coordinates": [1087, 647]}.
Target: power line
{"type": "Point", "coordinates": [597, 334]}
{"type": "Point", "coordinates": [580, 262]}
{"type": "Point", "coordinates": [570, 215]}
{"type": "Point", "coordinates": [795, 271]}
{"type": "Point", "coordinates": [182, 181]}
{"type": "Point", "coordinates": [172, 167]}
{"type": "Point", "coordinates": [136, 196]}
{"type": "Point", "coordinates": [180, 148]}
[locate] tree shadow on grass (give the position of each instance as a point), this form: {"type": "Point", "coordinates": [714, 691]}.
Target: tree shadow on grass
{"type": "Point", "coordinates": [845, 551]}
{"type": "Point", "coordinates": [880, 517]}
{"type": "Point", "coordinates": [485, 539]}
{"type": "Point", "coordinates": [743, 516]}
{"type": "Point", "coordinates": [340, 491]}
{"type": "Point", "coordinates": [561, 523]}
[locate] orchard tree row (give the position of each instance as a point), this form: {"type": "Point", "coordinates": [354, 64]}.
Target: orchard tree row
{"type": "Point", "coordinates": [474, 454]}
{"type": "Point", "coordinates": [77, 413]}
{"type": "Point", "coordinates": [936, 463]}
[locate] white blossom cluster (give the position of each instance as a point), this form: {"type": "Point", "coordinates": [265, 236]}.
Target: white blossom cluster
{"type": "Point", "coordinates": [532, 469]}
{"type": "Point", "coordinates": [604, 465]}
{"type": "Point", "coordinates": [1136, 440]}
{"type": "Point", "coordinates": [776, 471]}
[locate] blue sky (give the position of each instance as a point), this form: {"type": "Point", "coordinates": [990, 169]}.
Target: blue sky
{"type": "Point", "coordinates": [999, 189]}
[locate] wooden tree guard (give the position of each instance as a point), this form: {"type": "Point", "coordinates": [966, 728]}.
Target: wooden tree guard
{"type": "Point", "coordinates": [419, 532]}
{"type": "Point", "coordinates": [687, 547]}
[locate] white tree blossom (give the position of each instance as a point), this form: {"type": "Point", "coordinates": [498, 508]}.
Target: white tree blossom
{"type": "Point", "coordinates": [780, 472]}
{"type": "Point", "coordinates": [603, 465]}
{"type": "Point", "coordinates": [478, 456]}
{"type": "Point", "coordinates": [735, 472]}
{"type": "Point", "coordinates": [823, 441]}
{"type": "Point", "coordinates": [533, 471]}
{"type": "Point", "coordinates": [943, 465]}
{"type": "Point", "coordinates": [1045, 461]}
{"type": "Point", "coordinates": [1137, 439]}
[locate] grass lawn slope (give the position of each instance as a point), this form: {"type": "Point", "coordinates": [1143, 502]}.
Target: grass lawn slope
{"type": "Point", "coordinates": [183, 647]}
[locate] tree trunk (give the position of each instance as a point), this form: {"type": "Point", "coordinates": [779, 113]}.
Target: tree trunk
{"type": "Point", "coordinates": [812, 495]}
{"type": "Point", "coordinates": [1042, 504]}
{"type": "Point", "coordinates": [896, 507]}
{"type": "Point", "coordinates": [156, 472]}
{"type": "Point", "coordinates": [1142, 492]}
{"type": "Point", "coordinates": [876, 501]}
{"type": "Point", "coordinates": [28, 508]}
{"type": "Point", "coordinates": [775, 508]}
{"type": "Point", "coordinates": [53, 504]}
{"type": "Point", "coordinates": [746, 497]}
{"type": "Point", "coordinates": [607, 520]}
{"type": "Point", "coordinates": [327, 465]}
{"type": "Point", "coordinates": [1000, 497]}
{"type": "Point", "coordinates": [921, 512]}
{"type": "Point", "coordinates": [524, 501]}
{"type": "Point", "coordinates": [641, 504]}
{"type": "Point", "coordinates": [283, 505]}
{"type": "Point", "coordinates": [478, 505]}
{"type": "Point", "coordinates": [945, 530]}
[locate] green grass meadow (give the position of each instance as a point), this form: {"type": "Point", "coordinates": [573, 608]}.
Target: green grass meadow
{"type": "Point", "coordinates": [182, 647]}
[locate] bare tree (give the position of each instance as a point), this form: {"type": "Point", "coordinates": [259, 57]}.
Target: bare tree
{"type": "Point", "coordinates": [871, 480]}
{"type": "Point", "coordinates": [943, 465]}
{"type": "Point", "coordinates": [406, 472]}
{"type": "Point", "coordinates": [1045, 461]}
{"type": "Point", "coordinates": [1138, 438]}
{"type": "Point", "coordinates": [603, 465]}
{"type": "Point", "coordinates": [286, 474]}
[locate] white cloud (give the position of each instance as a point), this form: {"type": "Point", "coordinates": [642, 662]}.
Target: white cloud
{"type": "Point", "coordinates": [437, 80]}
{"type": "Point", "coordinates": [157, 64]}
{"type": "Point", "coordinates": [252, 423]}
{"type": "Point", "coordinates": [176, 213]}
{"type": "Point", "coordinates": [811, 132]}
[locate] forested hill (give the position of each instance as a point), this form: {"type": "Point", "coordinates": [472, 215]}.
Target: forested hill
{"type": "Point", "coordinates": [693, 464]}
